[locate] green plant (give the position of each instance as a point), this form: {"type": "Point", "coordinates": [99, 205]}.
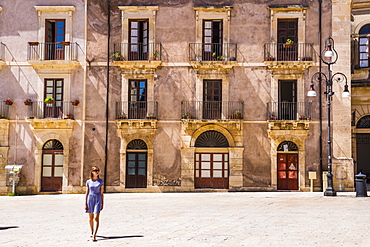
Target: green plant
{"type": "Point", "coordinates": [155, 54]}
{"type": "Point", "coordinates": [238, 112]}
{"type": "Point", "coordinates": [289, 41]}
{"type": "Point", "coordinates": [49, 100]}
{"type": "Point", "coordinates": [2, 116]}
{"type": "Point", "coordinates": [117, 55]}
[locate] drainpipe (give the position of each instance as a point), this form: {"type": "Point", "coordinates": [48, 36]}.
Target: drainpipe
{"type": "Point", "coordinates": [107, 101]}
{"type": "Point", "coordinates": [320, 94]}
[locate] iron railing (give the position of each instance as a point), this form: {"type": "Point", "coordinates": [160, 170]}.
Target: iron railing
{"type": "Point", "coordinates": [288, 52]}
{"type": "Point", "coordinates": [289, 111]}
{"type": "Point", "coordinates": [4, 110]}
{"type": "Point", "coordinates": [137, 110]}
{"type": "Point", "coordinates": [52, 51]}
{"type": "Point", "coordinates": [2, 51]}
{"type": "Point", "coordinates": [137, 51]}
{"type": "Point", "coordinates": [55, 110]}
{"type": "Point", "coordinates": [212, 110]}
{"type": "Point", "coordinates": [212, 52]}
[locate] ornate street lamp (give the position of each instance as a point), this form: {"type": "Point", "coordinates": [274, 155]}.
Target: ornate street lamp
{"type": "Point", "coordinates": [329, 56]}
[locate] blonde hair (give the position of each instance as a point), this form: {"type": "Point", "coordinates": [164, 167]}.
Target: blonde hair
{"type": "Point", "coordinates": [94, 168]}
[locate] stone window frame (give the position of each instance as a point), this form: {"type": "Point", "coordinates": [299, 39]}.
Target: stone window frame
{"type": "Point", "coordinates": [55, 12]}
{"type": "Point", "coordinates": [289, 12]}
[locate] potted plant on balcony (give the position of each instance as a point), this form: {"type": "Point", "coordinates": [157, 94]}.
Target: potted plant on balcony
{"type": "Point", "coordinates": [65, 43]}
{"type": "Point", "coordinates": [33, 43]}
{"type": "Point", "coordinates": [9, 102]}
{"type": "Point", "coordinates": [28, 102]}
{"type": "Point", "coordinates": [2, 116]}
{"type": "Point", "coordinates": [236, 115]}
{"type": "Point", "coordinates": [49, 100]}
{"type": "Point", "coordinates": [288, 43]}
{"type": "Point", "coordinates": [186, 116]}
{"type": "Point", "coordinates": [75, 102]}
{"type": "Point", "coordinates": [117, 56]}
{"type": "Point", "coordinates": [122, 116]}
{"type": "Point", "coordinates": [150, 116]}
{"type": "Point", "coordinates": [155, 54]}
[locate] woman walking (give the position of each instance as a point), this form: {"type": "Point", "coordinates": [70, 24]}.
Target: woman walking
{"type": "Point", "coordinates": [94, 199]}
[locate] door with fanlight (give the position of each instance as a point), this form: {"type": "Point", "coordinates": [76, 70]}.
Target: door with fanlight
{"type": "Point", "coordinates": [136, 164]}
{"type": "Point", "coordinates": [52, 166]}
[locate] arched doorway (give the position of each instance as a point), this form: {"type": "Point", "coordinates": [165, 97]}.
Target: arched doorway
{"type": "Point", "coordinates": [287, 166]}
{"type": "Point", "coordinates": [52, 166]}
{"type": "Point", "coordinates": [211, 166]}
{"type": "Point", "coordinates": [363, 146]}
{"type": "Point", "coordinates": [136, 164]}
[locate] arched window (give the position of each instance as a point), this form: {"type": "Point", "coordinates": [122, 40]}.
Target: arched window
{"type": "Point", "coordinates": [364, 46]}
{"type": "Point", "coordinates": [53, 145]}
{"type": "Point", "coordinates": [287, 146]}
{"type": "Point", "coordinates": [211, 138]}
{"type": "Point", "coordinates": [137, 144]}
{"type": "Point", "coordinates": [364, 122]}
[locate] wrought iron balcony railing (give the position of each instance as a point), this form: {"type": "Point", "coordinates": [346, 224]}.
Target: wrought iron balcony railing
{"type": "Point", "coordinates": [52, 51]}
{"type": "Point", "coordinates": [55, 110]}
{"type": "Point", "coordinates": [137, 110]}
{"type": "Point", "coordinates": [289, 111]}
{"type": "Point", "coordinates": [4, 110]}
{"type": "Point", "coordinates": [137, 52]}
{"type": "Point", "coordinates": [223, 52]}
{"type": "Point", "coordinates": [215, 110]}
{"type": "Point", "coordinates": [288, 52]}
{"type": "Point", "coordinates": [2, 51]}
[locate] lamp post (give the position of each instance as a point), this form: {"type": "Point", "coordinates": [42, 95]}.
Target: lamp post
{"type": "Point", "coordinates": [329, 56]}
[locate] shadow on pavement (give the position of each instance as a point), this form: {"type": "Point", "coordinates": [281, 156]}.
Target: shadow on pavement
{"type": "Point", "coordinates": [8, 227]}
{"type": "Point", "coordinates": [117, 237]}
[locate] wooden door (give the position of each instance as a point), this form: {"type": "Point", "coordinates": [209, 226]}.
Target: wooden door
{"type": "Point", "coordinates": [287, 29]}
{"type": "Point", "coordinates": [287, 171]}
{"type": "Point", "coordinates": [137, 99]}
{"type": "Point", "coordinates": [287, 100]}
{"type": "Point", "coordinates": [52, 170]}
{"type": "Point", "coordinates": [136, 170]}
{"type": "Point", "coordinates": [139, 40]}
{"type": "Point", "coordinates": [54, 89]}
{"type": "Point", "coordinates": [55, 34]}
{"type": "Point", "coordinates": [212, 40]}
{"type": "Point", "coordinates": [212, 104]}
{"type": "Point", "coordinates": [212, 170]}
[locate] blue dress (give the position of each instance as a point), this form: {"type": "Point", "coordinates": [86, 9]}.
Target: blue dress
{"type": "Point", "coordinates": [94, 200]}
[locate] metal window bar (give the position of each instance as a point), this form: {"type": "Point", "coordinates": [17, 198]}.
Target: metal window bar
{"type": "Point", "coordinates": [55, 110]}
{"type": "Point", "coordinates": [2, 51]}
{"type": "Point", "coordinates": [137, 110]}
{"type": "Point", "coordinates": [289, 111]}
{"type": "Point", "coordinates": [216, 110]}
{"type": "Point", "coordinates": [212, 52]}
{"type": "Point", "coordinates": [137, 51]}
{"type": "Point", "coordinates": [288, 52]}
{"type": "Point", "coordinates": [52, 51]}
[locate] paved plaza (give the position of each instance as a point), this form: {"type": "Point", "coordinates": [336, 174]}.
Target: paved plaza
{"type": "Point", "coordinates": [189, 219]}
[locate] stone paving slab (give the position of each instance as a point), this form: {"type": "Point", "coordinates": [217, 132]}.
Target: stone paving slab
{"type": "Point", "coordinates": [189, 219]}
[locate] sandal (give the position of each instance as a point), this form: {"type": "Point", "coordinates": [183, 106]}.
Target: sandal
{"type": "Point", "coordinates": [94, 239]}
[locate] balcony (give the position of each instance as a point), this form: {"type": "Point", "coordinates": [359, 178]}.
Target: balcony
{"type": "Point", "coordinates": [4, 110]}
{"type": "Point", "coordinates": [137, 55]}
{"type": "Point", "coordinates": [212, 55]}
{"type": "Point", "coordinates": [137, 114]}
{"type": "Point", "coordinates": [2, 55]}
{"type": "Point", "coordinates": [288, 56]}
{"type": "Point", "coordinates": [212, 110]}
{"type": "Point", "coordinates": [289, 115]}
{"type": "Point", "coordinates": [60, 56]}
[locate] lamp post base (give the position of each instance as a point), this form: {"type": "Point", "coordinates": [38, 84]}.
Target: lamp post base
{"type": "Point", "coordinates": [330, 192]}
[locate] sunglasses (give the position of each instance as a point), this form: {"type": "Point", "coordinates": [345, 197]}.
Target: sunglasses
{"type": "Point", "coordinates": [96, 170]}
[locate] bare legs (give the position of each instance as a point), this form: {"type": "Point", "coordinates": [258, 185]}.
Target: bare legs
{"type": "Point", "coordinates": [92, 218]}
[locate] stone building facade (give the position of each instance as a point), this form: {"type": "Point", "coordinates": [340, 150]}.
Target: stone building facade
{"type": "Point", "coordinates": [183, 95]}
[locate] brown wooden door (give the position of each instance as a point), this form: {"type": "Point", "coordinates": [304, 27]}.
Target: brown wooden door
{"type": "Point", "coordinates": [212, 40]}
{"type": "Point", "coordinates": [55, 34]}
{"type": "Point", "coordinates": [212, 104]}
{"type": "Point", "coordinates": [136, 170]}
{"type": "Point", "coordinates": [137, 99]}
{"type": "Point", "coordinates": [287, 172]}
{"type": "Point", "coordinates": [212, 170]}
{"type": "Point", "coordinates": [287, 29]}
{"type": "Point", "coordinates": [54, 89]}
{"type": "Point", "coordinates": [52, 170]}
{"type": "Point", "coordinates": [139, 40]}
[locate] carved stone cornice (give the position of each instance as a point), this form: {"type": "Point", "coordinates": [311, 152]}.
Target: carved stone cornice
{"type": "Point", "coordinates": [285, 67]}
{"type": "Point", "coordinates": [221, 66]}
{"type": "Point", "coordinates": [189, 126]}
{"type": "Point", "coordinates": [137, 124]}
{"type": "Point", "coordinates": [53, 65]}
{"type": "Point", "coordinates": [289, 125]}
{"type": "Point", "coordinates": [51, 123]}
{"type": "Point", "coordinates": [145, 65]}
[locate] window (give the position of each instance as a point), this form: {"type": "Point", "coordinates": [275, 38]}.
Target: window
{"type": "Point", "coordinates": [54, 88]}
{"type": "Point", "coordinates": [212, 99]}
{"type": "Point", "coordinates": [364, 46]}
{"type": "Point", "coordinates": [54, 35]}
{"type": "Point", "coordinates": [212, 39]}
{"type": "Point", "coordinates": [139, 40]}
{"type": "Point", "coordinates": [137, 99]}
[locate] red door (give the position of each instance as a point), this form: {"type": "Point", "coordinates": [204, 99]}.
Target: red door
{"type": "Point", "coordinates": [52, 170]}
{"type": "Point", "coordinates": [211, 170]}
{"type": "Point", "coordinates": [287, 174]}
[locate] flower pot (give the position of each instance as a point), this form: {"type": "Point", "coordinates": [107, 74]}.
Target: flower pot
{"type": "Point", "coordinates": [75, 102]}
{"type": "Point", "coordinates": [9, 102]}
{"type": "Point", "coordinates": [28, 102]}
{"type": "Point", "coordinates": [33, 43]}
{"type": "Point", "coordinates": [287, 45]}
{"type": "Point", "coordinates": [64, 43]}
